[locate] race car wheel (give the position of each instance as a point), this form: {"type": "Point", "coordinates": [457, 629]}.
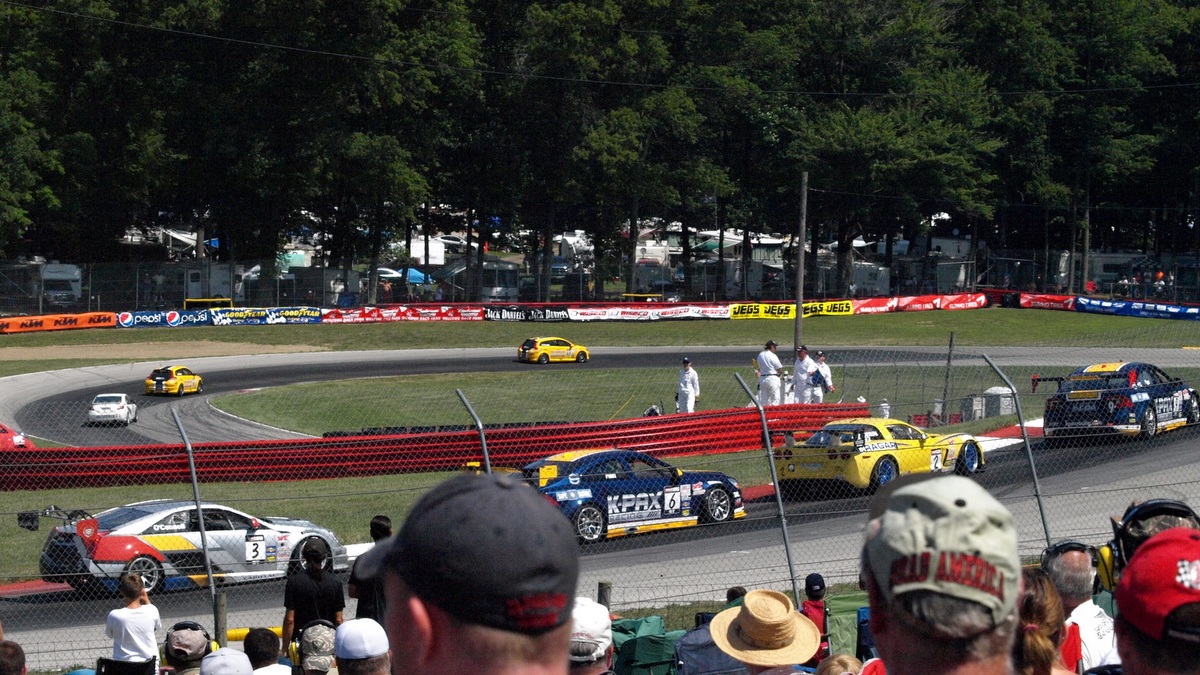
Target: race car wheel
{"type": "Point", "coordinates": [544, 359]}
{"type": "Point", "coordinates": [589, 524]}
{"type": "Point", "coordinates": [885, 471]}
{"type": "Point", "coordinates": [970, 460]}
{"type": "Point", "coordinates": [179, 390]}
{"type": "Point", "coordinates": [297, 562]}
{"type": "Point", "coordinates": [581, 357]}
{"type": "Point", "coordinates": [718, 505]}
{"type": "Point", "coordinates": [1149, 423]}
{"type": "Point", "coordinates": [1193, 416]}
{"type": "Point", "coordinates": [149, 570]}
{"type": "Point", "coordinates": [200, 387]}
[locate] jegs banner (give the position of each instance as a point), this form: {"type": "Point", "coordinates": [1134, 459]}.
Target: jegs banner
{"type": "Point", "coordinates": [833, 308]}
{"type": "Point", "coordinates": [765, 311]}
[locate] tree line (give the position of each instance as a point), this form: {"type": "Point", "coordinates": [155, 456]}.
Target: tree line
{"type": "Point", "coordinates": [1055, 124]}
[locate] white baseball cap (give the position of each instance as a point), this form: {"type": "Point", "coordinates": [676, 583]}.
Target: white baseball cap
{"type": "Point", "coordinates": [592, 631]}
{"type": "Point", "coordinates": [360, 639]}
{"type": "Point", "coordinates": [226, 661]}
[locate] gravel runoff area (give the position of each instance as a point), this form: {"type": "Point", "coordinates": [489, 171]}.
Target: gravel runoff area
{"type": "Point", "coordinates": [150, 350]}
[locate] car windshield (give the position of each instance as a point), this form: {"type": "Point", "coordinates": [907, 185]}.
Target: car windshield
{"type": "Point", "coordinates": [114, 518]}
{"type": "Point", "coordinates": [836, 434]}
{"type": "Point", "coordinates": [106, 399]}
{"type": "Point", "coordinates": [529, 344]}
{"type": "Point", "coordinates": [56, 285]}
{"type": "Point", "coordinates": [161, 372]}
{"type": "Point", "coordinates": [1092, 382]}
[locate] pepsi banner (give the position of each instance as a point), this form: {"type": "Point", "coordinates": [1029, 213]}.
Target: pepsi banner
{"type": "Point", "coordinates": [163, 319]}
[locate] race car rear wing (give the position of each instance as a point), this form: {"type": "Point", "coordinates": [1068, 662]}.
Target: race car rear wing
{"type": "Point", "coordinates": [31, 520]}
{"type": "Point", "coordinates": [1037, 379]}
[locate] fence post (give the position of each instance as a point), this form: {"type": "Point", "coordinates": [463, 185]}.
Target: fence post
{"type": "Point", "coordinates": [944, 415]}
{"type": "Point", "coordinates": [487, 462]}
{"type": "Point", "coordinates": [1037, 487]}
{"type": "Point", "coordinates": [212, 588]}
{"type": "Point", "coordinates": [604, 594]}
{"type": "Point", "coordinates": [221, 620]}
{"type": "Point", "coordinates": [766, 433]}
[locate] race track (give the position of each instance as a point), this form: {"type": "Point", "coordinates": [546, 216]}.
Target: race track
{"type": "Point", "coordinates": [1082, 486]}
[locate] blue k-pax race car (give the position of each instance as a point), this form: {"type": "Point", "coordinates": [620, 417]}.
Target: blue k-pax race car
{"type": "Point", "coordinates": [1129, 399]}
{"type": "Point", "coordinates": [610, 493]}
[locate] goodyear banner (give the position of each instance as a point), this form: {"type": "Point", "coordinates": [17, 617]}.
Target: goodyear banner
{"type": "Point", "coordinates": [253, 316]}
{"type": "Point", "coordinates": [764, 311]}
{"type": "Point", "coordinates": [31, 324]}
{"type": "Point", "coordinates": [163, 319]}
{"type": "Point", "coordinates": [293, 315]}
{"type": "Point", "coordinates": [1146, 310]}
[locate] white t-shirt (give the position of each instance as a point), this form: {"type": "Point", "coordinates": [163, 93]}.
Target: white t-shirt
{"type": "Point", "coordinates": [1096, 634]}
{"type": "Point", "coordinates": [132, 631]}
{"type": "Point", "coordinates": [273, 669]}
{"type": "Point", "coordinates": [768, 363]}
{"type": "Point", "coordinates": [689, 381]}
{"type": "Point", "coordinates": [808, 367]}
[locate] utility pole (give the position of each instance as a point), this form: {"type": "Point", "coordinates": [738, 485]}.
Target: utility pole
{"type": "Point", "coordinates": [798, 337]}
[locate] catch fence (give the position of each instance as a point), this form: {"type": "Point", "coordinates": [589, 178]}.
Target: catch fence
{"type": "Point", "coordinates": [318, 459]}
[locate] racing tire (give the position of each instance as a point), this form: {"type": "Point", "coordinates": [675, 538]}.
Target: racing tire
{"type": "Point", "coordinates": [589, 524]}
{"type": "Point", "coordinates": [1149, 422]}
{"type": "Point", "coordinates": [149, 570]}
{"type": "Point", "coordinates": [1193, 415]}
{"type": "Point", "coordinates": [581, 357]}
{"type": "Point", "coordinates": [886, 470]}
{"type": "Point", "coordinates": [200, 387]}
{"type": "Point", "coordinates": [179, 391]}
{"type": "Point", "coordinates": [718, 505]}
{"type": "Point", "coordinates": [544, 359]}
{"type": "Point", "coordinates": [296, 564]}
{"type": "Point", "coordinates": [970, 459]}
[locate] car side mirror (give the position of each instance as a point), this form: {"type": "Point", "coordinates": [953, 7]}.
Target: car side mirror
{"type": "Point", "coordinates": [676, 476]}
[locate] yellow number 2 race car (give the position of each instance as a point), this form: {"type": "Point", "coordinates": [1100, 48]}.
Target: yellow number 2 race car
{"type": "Point", "coordinates": [543, 350]}
{"type": "Point", "coordinates": [175, 380]}
{"type": "Point", "coordinates": [868, 452]}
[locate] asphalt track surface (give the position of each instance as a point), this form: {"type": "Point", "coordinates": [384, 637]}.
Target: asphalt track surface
{"type": "Point", "coordinates": [1082, 484]}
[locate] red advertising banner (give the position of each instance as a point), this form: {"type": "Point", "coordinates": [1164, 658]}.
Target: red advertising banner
{"type": "Point", "coordinates": [30, 324]}
{"type": "Point", "coordinates": [402, 313]}
{"type": "Point", "coordinates": [875, 305]}
{"type": "Point", "coordinates": [918, 303]}
{"type": "Point", "coordinates": [964, 301]}
{"type": "Point", "coordinates": [352, 315]}
{"type": "Point", "coordinates": [1036, 301]}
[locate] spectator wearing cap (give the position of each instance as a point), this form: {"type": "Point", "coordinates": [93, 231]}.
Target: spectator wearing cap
{"type": "Point", "coordinates": [316, 649]}
{"type": "Point", "coordinates": [591, 639]}
{"type": "Point", "coordinates": [480, 579]}
{"type": "Point", "coordinates": [226, 661]}
{"type": "Point", "coordinates": [689, 387]}
{"type": "Point", "coordinates": [361, 648]}
{"type": "Point", "coordinates": [262, 648]}
{"type": "Point", "coordinates": [814, 608]}
{"type": "Point", "coordinates": [802, 375]}
{"type": "Point", "coordinates": [941, 571]}
{"type": "Point", "coordinates": [1072, 569]}
{"type": "Point", "coordinates": [769, 369]}
{"type": "Point", "coordinates": [819, 380]}
{"type": "Point", "coordinates": [368, 593]}
{"type": "Point", "coordinates": [312, 594]}
{"type": "Point", "coordinates": [12, 658]}
{"type": "Point", "coordinates": [765, 632]}
{"type": "Point", "coordinates": [1158, 626]}
{"type": "Point", "coordinates": [185, 647]}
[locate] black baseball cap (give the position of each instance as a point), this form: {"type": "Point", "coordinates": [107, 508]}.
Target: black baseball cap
{"type": "Point", "coordinates": [686, 360]}
{"type": "Point", "coordinates": [814, 584]}
{"type": "Point", "coordinates": [771, 343]}
{"type": "Point", "coordinates": [802, 348]}
{"type": "Point", "coordinates": [820, 353]}
{"type": "Point", "coordinates": [488, 550]}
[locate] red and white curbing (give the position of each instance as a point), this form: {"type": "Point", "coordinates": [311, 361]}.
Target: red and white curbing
{"type": "Point", "coordinates": [1009, 436]}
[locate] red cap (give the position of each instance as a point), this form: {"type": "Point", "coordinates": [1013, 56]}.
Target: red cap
{"type": "Point", "coordinates": [1163, 576]}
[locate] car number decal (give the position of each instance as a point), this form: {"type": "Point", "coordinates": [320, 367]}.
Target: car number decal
{"type": "Point", "coordinates": [256, 548]}
{"type": "Point", "coordinates": [672, 503]}
{"type": "Point", "coordinates": [935, 459]}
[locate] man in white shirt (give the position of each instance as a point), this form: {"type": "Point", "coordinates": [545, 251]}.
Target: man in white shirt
{"type": "Point", "coordinates": [802, 375]}
{"type": "Point", "coordinates": [1071, 567]}
{"type": "Point", "coordinates": [132, 626]}
{"type": "Point", "coordinates": [820, 380]}
{"type": "Point", "coordinates": [769, 369]}
{"type": "Point", "coordinates": [689, 387]}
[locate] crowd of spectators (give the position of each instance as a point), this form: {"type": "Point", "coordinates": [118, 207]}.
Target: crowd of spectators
{"type": "Point", "coordinates": [481, 579]}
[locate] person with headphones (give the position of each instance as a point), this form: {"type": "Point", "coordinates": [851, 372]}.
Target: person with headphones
{"type": "Point", "coordinates": [311, 651]}
{"type": "Point", "coordinates": [312, 594]}
{"type": "Point", "coordinates": [186, 645]}
{"type": "Point", "coordinates": [1141, 521]}
{"type": "Point", "coordinates": [1071, 566]}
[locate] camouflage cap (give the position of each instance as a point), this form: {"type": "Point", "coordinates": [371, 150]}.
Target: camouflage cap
{"type": "Point", "coordinates": [316, 647]}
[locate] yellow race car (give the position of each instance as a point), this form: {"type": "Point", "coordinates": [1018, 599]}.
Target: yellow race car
{"type": "Point", "coordinates": [176, 380]}
{"type": "Point", "coordinates": [546, 349]}
{"type": "Point", "coordinates": [867, 452]}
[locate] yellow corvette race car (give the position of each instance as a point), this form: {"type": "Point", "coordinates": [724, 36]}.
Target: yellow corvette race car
{"type": "Point", "coordinates": [870, 451]}
{"type": "Point", "coordinates": [546, 349]}
{"type": "Point", "coordinates": [175, 380]}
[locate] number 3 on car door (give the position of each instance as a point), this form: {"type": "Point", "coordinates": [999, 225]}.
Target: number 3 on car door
{"type": "Point", "coordinates": [256, 548]}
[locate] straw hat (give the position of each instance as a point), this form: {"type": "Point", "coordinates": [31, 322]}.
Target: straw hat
{"type": "Point", "coordinates": [766, 631]}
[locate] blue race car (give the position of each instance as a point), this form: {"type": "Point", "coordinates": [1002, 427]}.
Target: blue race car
{"type": "Point", "coordinates": [1129, 399]}
{"type": "Point", "coordinates": [611, 493]}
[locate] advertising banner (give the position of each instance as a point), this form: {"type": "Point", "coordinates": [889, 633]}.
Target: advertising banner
{"type": "Point", "coordinates": [293, 315]}
{"type": "Point", "coordinates": [829, 308]}
{"type": "Point", "coordinates": [1146, 310]}
{"type": "Point", "coordinates": [163, 319]}
{"type": "Point", "coordinates": [238, 316]}
{"type": "Point", "coordinates": [1038, 301]}
{"type": "Point", "coordinates": [30, 324]}
{"type": "Point", "coordinates": [527, 313]}
{"type": "Point", "coordinates": [918, 303]}
{"type": "Point", "coordinates": [765, 311]}
{"type": "Point", "coordinates": [964, 301]}
{"type": "Point", "coordinates": [419, 313]}
{"type": "Point", "coordinates": [648, 312]}
{"type": "Point", "coordinates": [874, 305]}
{"type": "Point", "coordinates": [352, 315]}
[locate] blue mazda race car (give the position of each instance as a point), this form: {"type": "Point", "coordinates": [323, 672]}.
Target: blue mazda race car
{"type": "Point", "coordinates": [611, 493]}
{"type": "Point", "coordinates": [1129, 399]}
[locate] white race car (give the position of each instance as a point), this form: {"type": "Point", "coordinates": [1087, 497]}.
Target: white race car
{"type": "Point", "coordinates": [112, 409]}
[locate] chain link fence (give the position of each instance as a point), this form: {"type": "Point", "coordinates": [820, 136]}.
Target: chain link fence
{"type": "Point", "coordinates": [673, 508]}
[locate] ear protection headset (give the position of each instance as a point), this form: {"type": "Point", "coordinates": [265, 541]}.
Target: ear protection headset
{"type": "Point", "coordinates": [1070, 545]}
{"type": "Point", "coordinates": [189, 625]}
{"type": "Point", "coordinates": [1113, 556]}
{"type": "Point", "coordinates": [295, 651]}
